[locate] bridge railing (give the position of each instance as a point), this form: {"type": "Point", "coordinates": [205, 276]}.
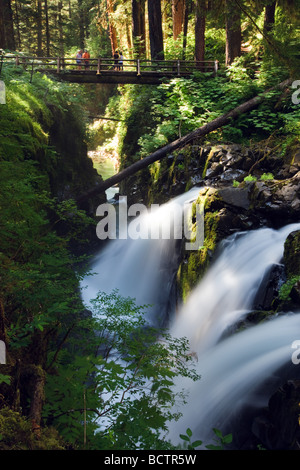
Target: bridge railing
{"type": "Point", "coordinates": [102, 65]}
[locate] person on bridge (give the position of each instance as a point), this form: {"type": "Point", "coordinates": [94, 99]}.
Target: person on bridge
{"type": "Point", "coordinates": [121, 61]}
{"type": "Point", "coordinates": [86, 57]}
{"type": "Point", "coordinates": [116, 59]}
{"type": "Point", "coordinates": [78, 59]}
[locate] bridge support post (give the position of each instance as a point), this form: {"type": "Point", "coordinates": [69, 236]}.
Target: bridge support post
{"type": "Point", "coordinates": [138, 67]}
{"type": "Point", "coordinates": [216, 66]}
{"type": "Point", "coordinates": [178, 68]}
{"type": "Point", "coordinates": [58, 65]}
{"type": "Point", "coordinates": [31, 75]}
{"type": "Point", "coordinates": [99, 66]}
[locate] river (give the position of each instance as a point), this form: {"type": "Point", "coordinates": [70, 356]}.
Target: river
{"type": "Point", "coordinates": [231, 366]}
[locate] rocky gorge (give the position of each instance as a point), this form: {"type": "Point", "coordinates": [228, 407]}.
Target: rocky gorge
{"type": "Point", "coordinates": [243, 189]}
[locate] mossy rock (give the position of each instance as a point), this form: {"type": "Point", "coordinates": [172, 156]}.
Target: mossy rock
{"type": "Point", "coordinates": [292, 254]}
{"type": "Point", "coordinates": [195, 263]}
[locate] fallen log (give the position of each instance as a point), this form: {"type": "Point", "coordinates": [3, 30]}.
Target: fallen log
{"type": "Point", "coordinates": [181, 142]}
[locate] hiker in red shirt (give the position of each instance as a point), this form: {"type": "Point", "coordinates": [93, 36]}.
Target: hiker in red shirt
{"type": "Point", "coordinates": [86, 57]}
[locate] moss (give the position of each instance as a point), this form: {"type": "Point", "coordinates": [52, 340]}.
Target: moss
{"type": "Point", "coordinates": [292, 254]}
{"type": "Point", "coordinates": [16, 433]}
{"type": "Point", "coordinates": [39, 127]}
{"type": "Point", "coordinates": [289, 294]}
{"type": "Point", "coordinates": [195, 263]}
{"type": "Point", "coordinates": [287, 288]}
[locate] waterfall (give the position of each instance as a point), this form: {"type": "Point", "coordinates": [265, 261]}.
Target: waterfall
{"type": "Point", "coordinates": [143, 269]}
{"type": "Point", "coordinates": [226, 293]}
{"type": "Point", "coordinates": [230, 373]}
{"type": "Point", "coordinates": [230, 367]}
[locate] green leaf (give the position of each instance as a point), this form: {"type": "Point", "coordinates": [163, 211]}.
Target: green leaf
{"type": "Point", "coordinates": [227, 439]}
{"type": "Point", "coordinates": [196, 444]}
{"type": "Point", "coordinates": [189, 432]}
{"type": "Point", "coordinates": [213, 447]}
{"type": "Point", "coordinates": [217, 432]}
{"type": "Point", "coordinates": [184, 437]}
{"type": "Point", "coordinates": [5, 379]}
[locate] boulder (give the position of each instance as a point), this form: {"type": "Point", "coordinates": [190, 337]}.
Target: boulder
{"type": "Point", "coordinates": [267, 293]}
{"type": "Point", "coordinates": [292, 254]}
{"type": "Point", "coordinates": [278, 426]}
{"type": "Point", "coordinates": [237, 197]}
{"type": "Point", "coordinates": [278, 201]}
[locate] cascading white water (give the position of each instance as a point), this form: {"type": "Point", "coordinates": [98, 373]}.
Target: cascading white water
{"type": "Point", "coordinates": [145, 270]}
{"type": "Point", "coordinates": [226, 293]}
{"type": "Point", "coordinates": [230, 372]}
{"type": "Point", "coordinates": [231, 369]}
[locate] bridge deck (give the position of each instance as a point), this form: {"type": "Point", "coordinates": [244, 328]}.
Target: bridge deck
{"type": "Point", "coordinates": [103, 70]}
{"type": "Point", "coordinates": [111, 76]}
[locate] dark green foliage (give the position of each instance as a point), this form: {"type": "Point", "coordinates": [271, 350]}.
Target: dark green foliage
{"type": "Point", "coordinates": [126, 375]}
{"type": "Point", "coordinates": [16, 434]}
{"type": "Point", "coordinates": [44, 121]}
{"type": "Point", "coordinates": [188, 438]}
{"type": "Point", "coordinates": [220, 441]}
{"type": "Point", "coordinates": [48, 333]}
{"type": "Point", "coordinates": [109, 379]}
{"type": "Point", "coordinates": [39, 296]}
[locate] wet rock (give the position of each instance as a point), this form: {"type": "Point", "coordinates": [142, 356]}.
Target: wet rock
{"type": "Point", "coordinates": [196, 179]}
{"type": "Point", "coordinates": [234, 162]}
{"type": "Point", "coordinates": [279, 201]}
{"type": "Point", "coordinates": [278, 426]}
{"type": "Point", "coordinates": [238, 197]}
{"type": "Point", "coordinates": [292, 254]}
{"type": "Point", "coordinates": [295, 293]}
{"type": "Point", "coordinates": [230, 221]}
{"type": "Point", "coordinates": [275, 202]}
{"type": "Point", "coordinates": [231, 175]}
{"type": "Point", "coordinates": [214, 170]}
{"type": "Point", "coordinates": [268, 290]}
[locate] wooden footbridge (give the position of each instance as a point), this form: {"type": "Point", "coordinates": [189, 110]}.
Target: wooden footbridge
{"type": "Point", "coordinates": [104, 70]}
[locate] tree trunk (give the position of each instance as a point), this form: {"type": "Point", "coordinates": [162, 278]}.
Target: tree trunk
{"type": "Point", "coordinates": [273, 46]}
{"type": "Point", "coordinates": [7, 38]}
{"type": "Point", "coordinates": [129, 36]}
{"type": "Point", "coordinates": [179, 143]}
{"type": "Point", "coordinates": [138, 26]}
{"type": "Point", "coordinates": [233, 31]}
{"type": "Point", "coordinates": [47, 29]}
{"type": "Point", "coordinates": [60, 29]}
{"type": "Point", "coordinates": [81, 24]}
{"type": "Point", "coordinates": [37, 398]}
{"type": "Point", "coordinates": [112, 29]}
{"type": "Point", "coordinates": [155, 30]}
{"type": "Point", "coordinates": [200, 30]}
{"type": "Point", "coordinates": [269, 18]}
{"type": "Point", "coordinates": [185, 27]}
{"type": "Point", "coordinates": [178, 7]}
{"type": "Point", "coordinates": [39, 28]}
{"type": "Point", "coordinates": [10, 37]}
{"type": "Point", "coordinates": [2, 27]}
{"type": "Point", "coordinates": [18, 25]}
